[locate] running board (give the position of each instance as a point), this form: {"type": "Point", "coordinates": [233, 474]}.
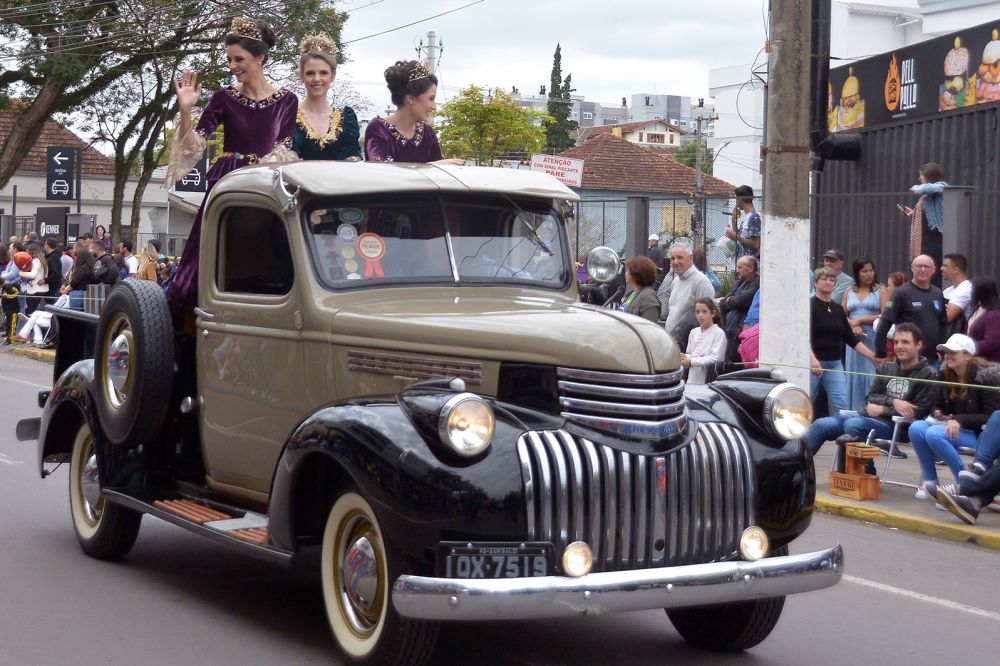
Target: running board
{"type": "Point", "coordinates": [244, 530]}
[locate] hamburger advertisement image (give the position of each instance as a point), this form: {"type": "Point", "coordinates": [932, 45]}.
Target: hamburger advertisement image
{"type": "Point", "coordinates": [940, 75]}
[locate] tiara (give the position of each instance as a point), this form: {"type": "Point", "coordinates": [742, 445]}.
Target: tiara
{"type": "Point", "coordinates": [420, 71]}
{"type": "Point", "coordinates": [319, 43]}
{"type": "Point", "coordinates": [247, 28]}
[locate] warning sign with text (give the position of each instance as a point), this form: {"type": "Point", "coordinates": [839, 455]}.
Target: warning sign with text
{"type": "Point", "coordinates": [567, 170]}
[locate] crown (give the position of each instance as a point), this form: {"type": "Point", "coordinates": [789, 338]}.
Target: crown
{"type": "Point", "coordinates": [247, 28]}
{"type": "Point", "coordinates": [319, 43]}
{"type": "Point", "coordinates": [420, 71]}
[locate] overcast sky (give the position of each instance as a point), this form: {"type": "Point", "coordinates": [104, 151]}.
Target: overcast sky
{"type": "Point", "coordinates": [613, 48]}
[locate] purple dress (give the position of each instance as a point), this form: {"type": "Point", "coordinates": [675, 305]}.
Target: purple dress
{"type": "Point", "coordinates": [384, 143]}
{"type": "Point", "coordinates": [251, 129]}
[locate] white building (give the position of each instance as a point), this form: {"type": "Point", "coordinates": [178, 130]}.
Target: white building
{"type": "Point", "coordinates": [858, 29]}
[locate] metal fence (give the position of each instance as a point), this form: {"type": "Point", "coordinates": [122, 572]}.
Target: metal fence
{"type": "Point", "coordinates": [605, 222]}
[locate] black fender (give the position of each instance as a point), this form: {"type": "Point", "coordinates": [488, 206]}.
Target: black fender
{"type": "Point", "coordinates": [420, 495]}
{"type": "Point", "coordinates": [70, 403]}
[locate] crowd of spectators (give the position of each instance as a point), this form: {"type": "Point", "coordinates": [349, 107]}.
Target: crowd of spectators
{"type": "Point", "coordinates": [37, 271]}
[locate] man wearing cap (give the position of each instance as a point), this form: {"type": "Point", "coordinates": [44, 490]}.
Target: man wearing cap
{"type": "Point", "coordinates": [834, 260]}
{"type": "Point", "coordinates": [654, 252]}
{"type": "Point", "coordinates": [918, 302]}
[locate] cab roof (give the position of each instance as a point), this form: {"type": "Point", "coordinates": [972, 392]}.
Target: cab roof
{"type": "Point", "coordinates": [346, 178]}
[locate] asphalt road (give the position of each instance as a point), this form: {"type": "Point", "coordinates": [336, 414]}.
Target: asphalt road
{"type": "Point", "coordinates": [178, 599]}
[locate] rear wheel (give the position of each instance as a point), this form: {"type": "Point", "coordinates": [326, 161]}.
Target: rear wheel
{"type": "Point", "coordinates": [729, 627]}
{"type": "Point", "coordinates": [357, 574]}
{"type": "Point", "coordinates": [105, 531]}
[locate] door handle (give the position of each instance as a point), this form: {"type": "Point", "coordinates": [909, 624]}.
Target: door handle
{"type": "Point", "coordinates": [207, 316]}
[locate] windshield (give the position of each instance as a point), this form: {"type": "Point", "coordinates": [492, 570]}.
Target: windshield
{"type": "Point", "coordinates": [427, 239]}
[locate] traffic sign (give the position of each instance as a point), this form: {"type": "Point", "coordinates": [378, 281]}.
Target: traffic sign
{"type": "Point", "coordinates": [60, 172]}
{"type": "Point", "coordinates": [195, 179]}
{"type": "Point", "coordinates": [565, 169]}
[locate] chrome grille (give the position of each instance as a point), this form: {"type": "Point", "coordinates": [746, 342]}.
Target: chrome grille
{"type": "Point", "coordinates": [576, 490]}
{"type": "Point", "coordinates": [638, 406]}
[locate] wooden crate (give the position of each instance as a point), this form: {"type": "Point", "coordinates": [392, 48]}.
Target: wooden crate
{"type": "Point", "coordinates": [855, 486]}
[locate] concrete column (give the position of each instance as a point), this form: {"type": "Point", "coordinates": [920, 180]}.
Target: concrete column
{"type": "Point", "coordinates": [636, 225]}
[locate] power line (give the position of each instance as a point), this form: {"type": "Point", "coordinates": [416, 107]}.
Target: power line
{"type": "Point", "coordinates": [407, 25]}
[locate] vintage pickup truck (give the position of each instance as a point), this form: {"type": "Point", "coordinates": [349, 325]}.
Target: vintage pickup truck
{"type": "Point", "coordinates": [390, 363]}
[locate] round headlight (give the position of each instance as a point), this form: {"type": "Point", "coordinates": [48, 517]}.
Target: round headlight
{"type": "Point", "coordinates": [466, 424]}
{"type": "Point", "coordinates": [787, 411]}
{"type": "Point", "coordinates": [754, 544]}
{"type": "Point", "coordinates": [602, 264]}
{"type": "Point", "coordinates": [577, 559]}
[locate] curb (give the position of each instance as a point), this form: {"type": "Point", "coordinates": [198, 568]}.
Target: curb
{"type": "Point", "coordinates": [905, 521]}
{"type": "Point", "coordinates": [44, 355]}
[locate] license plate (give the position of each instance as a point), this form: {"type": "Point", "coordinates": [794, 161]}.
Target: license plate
{"type": "Point", "coordinates": [494, 560]}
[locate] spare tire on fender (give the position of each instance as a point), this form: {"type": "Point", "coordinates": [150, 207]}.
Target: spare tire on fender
{"type": "Point", "coordinates": [134, 362]}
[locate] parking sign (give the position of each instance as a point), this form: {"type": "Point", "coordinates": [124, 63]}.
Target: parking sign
{"type": "Point", "coordinates": [60, 172]}
{"type": "Point", "coordinates": [194, 180]}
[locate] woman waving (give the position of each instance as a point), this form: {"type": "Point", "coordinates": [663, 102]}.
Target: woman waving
{"type": "Point", "coordinates": [258, 122]}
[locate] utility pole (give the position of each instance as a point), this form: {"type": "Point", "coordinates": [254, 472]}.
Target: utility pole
{"type": "Point", "coordinates": [698, 217]}
{"type": "Point", "coordinates": [784, 269]}
{"type": "Point", "coordinates": [432, 51]}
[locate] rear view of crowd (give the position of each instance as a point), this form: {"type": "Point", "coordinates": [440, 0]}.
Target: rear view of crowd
{"type": "Point", "coordinates": [39, 272]}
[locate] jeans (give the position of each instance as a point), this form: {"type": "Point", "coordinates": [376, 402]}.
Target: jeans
{"type": "Point", "coordinates": [835, 384]}
{"type": "Point", "coordinates": [930, 441]}
{"type": "Point", "coordinates": [989, 442]}
{"type": "Point", "coordinates": [76, 298]}
{"type": "Point", "coordinates": [832, 427]}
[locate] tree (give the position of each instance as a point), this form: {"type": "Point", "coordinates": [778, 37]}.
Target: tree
{"type": "Point", "coordinates": [560, 105]}
{"type": "Point", "coordinates": [487, 126]}
{"type": "Point", "coordinates": [687, 155]}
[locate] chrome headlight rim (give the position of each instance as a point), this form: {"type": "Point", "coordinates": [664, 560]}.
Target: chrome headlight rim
{"type": "Point", "coordinates": [602, 254]}
{"type": "Point", "coordinates": [771, 401]}
{"type": "Point", "coordinates": [445, 417]}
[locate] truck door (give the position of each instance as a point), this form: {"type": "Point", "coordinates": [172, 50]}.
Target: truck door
{"type": "Point", "coordinates": [250, 358]}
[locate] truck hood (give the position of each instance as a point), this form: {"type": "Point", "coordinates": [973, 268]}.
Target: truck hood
{"type": "Point", "coordinates": [525, 329]}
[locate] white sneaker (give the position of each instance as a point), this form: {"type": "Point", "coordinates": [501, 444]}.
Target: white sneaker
{"type": "Point", "coordinates": [922, 493]}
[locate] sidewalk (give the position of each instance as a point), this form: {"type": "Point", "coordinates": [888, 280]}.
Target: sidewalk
{"type": "Point", "coordinates": [28, 351]}
{"type": "Point", "coordinates": [898, 508]}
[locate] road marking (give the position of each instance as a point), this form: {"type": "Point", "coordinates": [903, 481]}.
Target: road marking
{"type": "Point", "coordinates": [951, 605]}
{"type": "Point", "coordinates": [21, 381]}
{"type": "Point", "coordinates": [9, 460]}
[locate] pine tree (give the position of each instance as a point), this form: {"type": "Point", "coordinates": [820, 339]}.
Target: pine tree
{"type": "Point", "coordinates": [560, 104]}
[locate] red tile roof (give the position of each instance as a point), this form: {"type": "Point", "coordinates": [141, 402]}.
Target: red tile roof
{"type": "Point", "coordinates": [662, 151]}
{"type": "Point", "coordinates": [95, 163]}
{"type": "Point", "coordinates": [612, 163]}
{"type": "Point", "coordinates": [589, 133]}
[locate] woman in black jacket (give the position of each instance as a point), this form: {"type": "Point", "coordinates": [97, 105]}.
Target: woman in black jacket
{"type": "Point", "coordinates": [82, 275]}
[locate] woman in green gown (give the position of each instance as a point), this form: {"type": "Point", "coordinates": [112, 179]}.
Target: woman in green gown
{"type": "Point", "coordinates": [322, 132]}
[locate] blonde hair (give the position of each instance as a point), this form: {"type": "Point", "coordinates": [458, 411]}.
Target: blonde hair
{"type": "Point", "coordinates": [149, 252]}
{"type": "Point", "coordinates": [318, 46]}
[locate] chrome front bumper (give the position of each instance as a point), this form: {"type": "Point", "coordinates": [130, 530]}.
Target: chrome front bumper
{"type": "Point", "coordinates": [425, 598]}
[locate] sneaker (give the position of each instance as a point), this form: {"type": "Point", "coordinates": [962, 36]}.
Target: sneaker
{"type": "Point", "coordinates": [896, 452]}
{"type": "Point", "coordinates": [961, 506]}
{"type": "Point", "coordinates": [994, 506]}
{"type": "Point", "coordinates": [17, 339]}
{"type": "Point", "coordinates": [921, 493]}
{"type": "Point", "coordinates": [972, 472]}
{"type": "Point", "coordinates": [940, 462]}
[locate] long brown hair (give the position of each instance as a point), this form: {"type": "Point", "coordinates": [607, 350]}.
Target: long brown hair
{"type": "Point", "coordinates": [949, 375]}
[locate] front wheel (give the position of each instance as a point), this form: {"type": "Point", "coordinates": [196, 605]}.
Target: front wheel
{"type": "Point", "coordinates": [729, 627]}
{"type": "Point", "coordinates": [105, 531]}
{"type": "Point", "coordinates": [357, 574]}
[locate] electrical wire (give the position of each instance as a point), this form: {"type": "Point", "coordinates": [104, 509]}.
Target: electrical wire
{"type": "Point", "coordinates": [740, 113]}
{"type": "Point", "coordinates": [413, 23]}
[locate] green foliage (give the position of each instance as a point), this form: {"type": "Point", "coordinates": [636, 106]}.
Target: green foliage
{"type": "Point", "coordinates": [486, 126]}
{"type": "Point", "coordinates": [687, 155]}
{"type": "Point", "coordinates": [560, 105]}
{"type": "Point", "coordinates": [728, 280]}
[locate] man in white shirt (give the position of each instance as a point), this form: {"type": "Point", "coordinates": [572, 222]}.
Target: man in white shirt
{"type": "Point", "coordinates": [955, 268]}
{"type": "Point", "coordinates": [689, 284]}
{"type": "Point", "coordinates": [131, 260]}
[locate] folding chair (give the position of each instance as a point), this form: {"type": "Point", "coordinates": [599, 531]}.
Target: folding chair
{"type": "Point", "coordinates": [897, 438]}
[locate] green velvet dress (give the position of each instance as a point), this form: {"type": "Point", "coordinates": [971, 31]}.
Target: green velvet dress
{"type": "Point", "coordinates": [339, 142]}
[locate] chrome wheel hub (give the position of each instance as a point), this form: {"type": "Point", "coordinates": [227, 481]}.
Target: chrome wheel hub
{"type": "Point", "coordinates": [119, 362]}
{"type": "Point", "coordinates": [359, 578]}
{"type": "Point", "coordinates": [90, 487]}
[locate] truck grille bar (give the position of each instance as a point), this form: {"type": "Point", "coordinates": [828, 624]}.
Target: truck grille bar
{"type": "Point", "coordinates": [636, 511]}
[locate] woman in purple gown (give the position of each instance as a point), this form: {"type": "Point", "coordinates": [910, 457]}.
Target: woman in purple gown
{"type": "Point", "coordinates": [406, 135]}
{"type": "Point", "coordinates": [258, 124]}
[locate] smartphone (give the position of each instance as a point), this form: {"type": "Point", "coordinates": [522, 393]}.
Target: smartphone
{"type": "Point", "coordinates": [901, 208]}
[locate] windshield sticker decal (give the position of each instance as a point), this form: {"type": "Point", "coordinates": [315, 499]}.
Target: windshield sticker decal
{"type": "Point", "coordinates": [371, 247]}
{"type": "Point", "coordinates": [346, 232]}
